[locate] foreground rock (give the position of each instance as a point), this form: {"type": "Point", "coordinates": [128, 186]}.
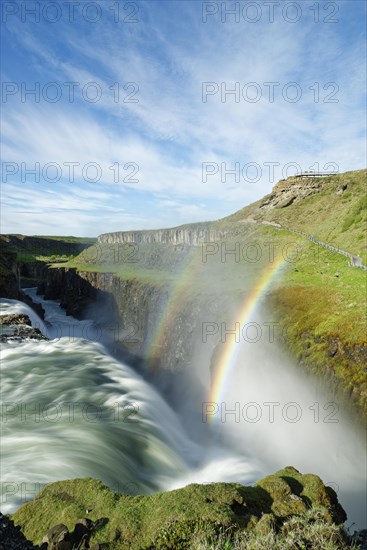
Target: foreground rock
{"type": "Point", "coordinates": [14, 319]}
{"type": "Point", "coordinates": [278, 506]}
{"type": "Point", "coordinates": [60, 538]}
{"type": "Point", "coordinates": [17, 328]}
{"type": "Point", "coordinates": [11, 538]}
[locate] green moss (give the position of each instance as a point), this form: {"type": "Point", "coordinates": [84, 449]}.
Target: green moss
{"type": "Point", "coordinates": [175, 518]}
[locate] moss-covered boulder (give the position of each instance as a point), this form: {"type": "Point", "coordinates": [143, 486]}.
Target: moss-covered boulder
{"type": "Point", "coordinates": [292, 493]}
{"type": "Point", "coordinates": [173, 519]}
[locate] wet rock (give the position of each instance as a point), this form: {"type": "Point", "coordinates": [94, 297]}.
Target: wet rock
{"type": "Point", "coordinates": [11, 538]}
{"type": "Point", "coordinates": [14, 319]}
{"type": "Point", "coordinates": [17, 328]}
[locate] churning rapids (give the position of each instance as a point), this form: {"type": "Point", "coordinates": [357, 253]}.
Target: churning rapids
{"type": "Point", "coordinates": [70, 410]}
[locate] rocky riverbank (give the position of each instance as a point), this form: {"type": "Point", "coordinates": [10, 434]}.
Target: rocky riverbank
{"type": "Point", "coordinates": [18, 328]}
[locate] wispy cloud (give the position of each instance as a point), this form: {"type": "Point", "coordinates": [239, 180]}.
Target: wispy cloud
{"type": "Point", "coordinates": [170, 132]}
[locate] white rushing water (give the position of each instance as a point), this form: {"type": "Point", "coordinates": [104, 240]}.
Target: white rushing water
{"type": "Point", "coordinates": [70, 410]}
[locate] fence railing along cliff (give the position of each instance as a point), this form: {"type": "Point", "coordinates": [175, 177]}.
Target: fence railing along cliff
{"type": "Point", "coordinates": [355, 261]}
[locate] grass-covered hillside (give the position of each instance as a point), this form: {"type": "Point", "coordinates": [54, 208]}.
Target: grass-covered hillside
{"type": "Point", "coordinates": [45, 248]}
{"type": "Point", "coordinates": [332, 209]}
{"type": "Point", "coordinates": [22, 258]}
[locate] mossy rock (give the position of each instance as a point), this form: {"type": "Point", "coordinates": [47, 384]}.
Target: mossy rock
{"type": "Point", "coordinates": [293, 493]}
{"type": "Point", "coordinates": [266, 524]}
{"type": "Point", "coordinates": [173, 519]}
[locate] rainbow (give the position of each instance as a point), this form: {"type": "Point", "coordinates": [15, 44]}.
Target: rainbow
{"type": "Point", "coordinates": [229, 354]}
{"type": "Point", "coordinates": [173, 305]}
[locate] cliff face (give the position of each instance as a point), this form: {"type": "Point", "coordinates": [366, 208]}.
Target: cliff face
{"type": "Point", "coordinates": [291, 190]}
{"type": "Point", "coordinates": [9, 272]}
{"type": "Point", "coordinates": [77, 291]}
{"type": "Point", "coordinates": [24, 260]}
{"type": "Point", "coordinates": [137, 316]}
{"type": "Point", "coordinates": [31, 273]}
{"type": "Point", "coordinates": [194, 234]}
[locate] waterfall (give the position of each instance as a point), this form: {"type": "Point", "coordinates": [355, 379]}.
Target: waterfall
{"type": "Point", "coordinates": [70, 410]}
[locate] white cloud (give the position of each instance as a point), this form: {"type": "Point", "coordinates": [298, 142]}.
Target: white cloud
{"type": "Point", "coordinates": [170, 132]}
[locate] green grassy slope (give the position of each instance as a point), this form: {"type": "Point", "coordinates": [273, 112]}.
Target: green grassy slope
{"type": "Point", "coordinates": [45, 249]}
{"type": "Point", "coordinates": [336, 218]}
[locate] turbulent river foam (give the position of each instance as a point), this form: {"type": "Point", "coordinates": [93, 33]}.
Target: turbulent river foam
{"type": "Point", "coordinates": [70, 410]}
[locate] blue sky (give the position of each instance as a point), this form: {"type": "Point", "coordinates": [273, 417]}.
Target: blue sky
{"type": "Point", "coordinates": [171, 122]}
